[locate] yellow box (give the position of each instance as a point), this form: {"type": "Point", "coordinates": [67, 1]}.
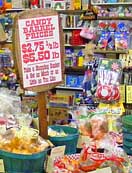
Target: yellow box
{"type": "Point", "coordinates": [128, 94]}
{"type": "Point", "coordinates": [122, 93]}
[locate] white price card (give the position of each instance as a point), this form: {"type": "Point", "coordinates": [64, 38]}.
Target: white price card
{"type": "Point", "coordinates": [103, 170]}
{"type": "Point", "coordinates": [55, 152]}
{"type": "Point", "coordinates": [2, 169]}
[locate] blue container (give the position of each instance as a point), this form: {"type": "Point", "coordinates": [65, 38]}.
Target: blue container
{"type": "Point", "coordinates": [21, 163]}
{"type": "Point", "coordinates": [70, 141]}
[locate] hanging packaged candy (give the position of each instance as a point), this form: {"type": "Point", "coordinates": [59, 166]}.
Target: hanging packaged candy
{"type": "Point", "coordinates": [103, 25]}
{"type": "Point", "coordinates": [111, 41]}
{"type": "Point", "coordinates": [121, 40]}
{"type": "Point", "coordinates": [122, 27]}
{"type": "Point", "coordinates": [88, 32]}
{"type": "Point", "coordinates": [103, 40]}
{"type": "Point", "coordinates": [112, 26]}
{"type": "Point", "coordinates": [109, 74]}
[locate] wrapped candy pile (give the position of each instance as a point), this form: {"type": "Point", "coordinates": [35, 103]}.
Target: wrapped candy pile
{"type": "Point", "coordinates": [22, 141]}
{"type": "Point", "coordinates": [91, 159]}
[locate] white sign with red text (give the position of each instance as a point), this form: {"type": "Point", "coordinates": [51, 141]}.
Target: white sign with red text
{"type": "Point", "coordinates": [40, 50]}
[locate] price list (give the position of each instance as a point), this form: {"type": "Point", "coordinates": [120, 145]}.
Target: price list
{"type": "Point", "coordinates": [40, 51]}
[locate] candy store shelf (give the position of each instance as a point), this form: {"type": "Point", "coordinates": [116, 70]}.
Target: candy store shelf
{"type": "Point", "coordinates": [69, 88]}
{"type": "Point", "coordinates": [70, 28]}
{"type": "Point", "coordinates": [16, 9]}
{"type": "Point", "coordinates": [112, 4]}
{"type": "Point", "coordinates": [75, 70]}
{"type": "Point", "coordinates": [71, 11]}
{"type": "Point", "coordinates": [74, 46]}
{"type": "Point", "coordinates": [111, 51]}
{"type": "Point", "coordinates": [114, 18]}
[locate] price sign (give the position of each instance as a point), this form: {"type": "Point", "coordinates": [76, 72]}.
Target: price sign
{"type": "Point", "coordinates": [41, 51]}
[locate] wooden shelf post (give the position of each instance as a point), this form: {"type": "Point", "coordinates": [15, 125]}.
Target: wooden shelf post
{"type": "Point", "coordinates": [42, 111]}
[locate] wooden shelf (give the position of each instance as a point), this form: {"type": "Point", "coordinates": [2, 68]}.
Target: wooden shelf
{"type": "Point", "coordinates": [111, 51]}
{"type": "Point", "coordinates": [16, 9]}
{"type": "Point", "coordinates": [8, 42]}
{"type": "Point", "coordinates": [75, 70]}
{"type": "Point", "coordinates": [69, 88]}
{"type": "Point", "coordinates": [74, 46]}
{"type": "Point", "coordinates": [71, 11]}
{"type": "Point", "coordinates": [114, 18]}
{"type": "Point", "coordinates": [70, 28]}
{"type": "Point", "coordinates": [112, 4]}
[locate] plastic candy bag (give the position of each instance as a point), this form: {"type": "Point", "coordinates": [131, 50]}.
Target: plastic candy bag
{"type": "Point", "coordinates": [109, 75]}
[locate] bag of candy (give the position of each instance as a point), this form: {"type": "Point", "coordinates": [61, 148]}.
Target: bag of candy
{"type": "Point", "coordinates": [109, 75]}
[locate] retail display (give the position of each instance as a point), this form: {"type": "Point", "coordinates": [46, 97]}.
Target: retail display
{"type": "Point", "coordinates": [90, 159]}
{"type": "Point", "coordinates": [90, 113]}
{"type": "Point", "coordinates": [68, 136]}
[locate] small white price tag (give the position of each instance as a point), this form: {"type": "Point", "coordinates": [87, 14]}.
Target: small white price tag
{"type": "Point", "coordinates": [106, 170]}
{"type": "Point", "coordinates": [55, 152]}
{"type": "Point", "coordinates": [103, 170]}
{"type": "Point", "coordinates": [2, 169]}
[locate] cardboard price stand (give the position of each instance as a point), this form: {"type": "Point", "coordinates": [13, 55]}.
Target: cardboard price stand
{"type": "Point", "coordinates": [38, 55]}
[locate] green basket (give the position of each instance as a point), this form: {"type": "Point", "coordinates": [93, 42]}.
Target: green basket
{"type": "Point", "coordinates": [127, 121]}
{"type": "Point", "coordinates": [127, 150]}
{"type": "Point", "coordinates": [22, 163]}
{"type": "Point", "coordinates": [126, 130]}
{"type": "Point", "coordinates": [70, 141]}
{"type": "Point", "coordinates": [127, 143]}
{"type": "Point", "coordinates": [127, 136]}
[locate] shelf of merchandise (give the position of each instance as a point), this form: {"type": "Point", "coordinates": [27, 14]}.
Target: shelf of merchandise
{"type": "Point", "coordinates": [74, 46]}
{"type": "Point", "coordinates": [16, 9]}
{"type": "Point", "coordinates": [111, 51]}
{"type": "Point", "coordinates": [112, 4]}
{"type": "Point", "coordinates": [70, 28]}
{"type": "Point", "coordinates": [75, 70]}
{"type": "Point", "coordinates": [69, 88]}
{"type": "Point", "coordinates": [8, 42]}
{"type": "Point", "coordinates": [71, 11]}
{"type": "Point", "coordinates": [115, 18]}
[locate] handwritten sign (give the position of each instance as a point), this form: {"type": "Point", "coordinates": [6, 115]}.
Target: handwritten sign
{"type": "Point", "coordinates": [40, 47]}
{"type": "Point", "coordinates": [40, 51]}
